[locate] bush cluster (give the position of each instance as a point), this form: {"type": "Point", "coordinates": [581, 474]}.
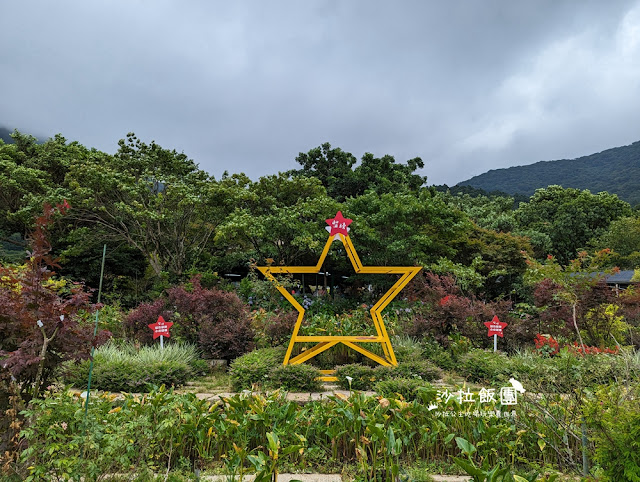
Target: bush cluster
{"type": "Point", "coordinates": [559, 374]}
{"type": "Point", "coordinates": [123, 368]}
{"type": "Point", "coordinates": [216, 321]}
{"type": "Point", "coordinates": [407, 388]}
{"type": "Point", "coordinates": [299, 378]}
{"type": "Point", "coordinates": [364, 377]}
{"type": "Point", "coordinates": [255, 367]}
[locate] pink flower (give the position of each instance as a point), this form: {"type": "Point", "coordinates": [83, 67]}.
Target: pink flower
{"type": "Point", "coordinates": [64, 425]}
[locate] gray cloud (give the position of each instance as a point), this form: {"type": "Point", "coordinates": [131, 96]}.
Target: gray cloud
{"type": "Point", "coordinates": [245, 86]}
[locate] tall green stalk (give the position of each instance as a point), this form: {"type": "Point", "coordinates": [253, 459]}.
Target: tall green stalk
{"type": "Point", "coordinates": [95, 333]}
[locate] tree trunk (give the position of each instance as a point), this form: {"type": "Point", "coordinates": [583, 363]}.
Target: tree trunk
{"type": "Point", "coordinates": [575, 324]}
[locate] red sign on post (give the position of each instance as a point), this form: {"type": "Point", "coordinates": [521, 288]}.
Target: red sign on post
{"type": "Point", "coordinates": [495, 327]}
{"type": "Point", "coordinates": [161, 328]}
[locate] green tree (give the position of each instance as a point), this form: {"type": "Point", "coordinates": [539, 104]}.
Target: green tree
{"type": "Point", "coordinates": [410, 228]}
{"type": "Point", "coordinates": [623, 237]}
{"type": "Point", "coordinates": [334, 168]}
{"type": "Point", "coordinates": [489, 212]}
{"type": "Point", "coordinates": [384, 175]}
{"type": "Point", "coordinates": [569, 217]}
{"type": "Point", "coordinates": [277, 217]}
{"type": "Point", "coordinates": [154, 199]}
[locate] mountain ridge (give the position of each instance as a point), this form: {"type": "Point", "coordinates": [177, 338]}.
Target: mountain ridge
{"type": "Point", "coordinates": [615, 170]}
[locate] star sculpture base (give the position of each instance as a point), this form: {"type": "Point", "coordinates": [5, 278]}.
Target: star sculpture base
{"type": "Point", "coordinates": [324, 342]}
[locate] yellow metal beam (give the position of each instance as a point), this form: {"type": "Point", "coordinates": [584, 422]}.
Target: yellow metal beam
{"type": "Point", "coordinates": [311, 352]}
{"type": "Point", "coordinates": [326, 341]}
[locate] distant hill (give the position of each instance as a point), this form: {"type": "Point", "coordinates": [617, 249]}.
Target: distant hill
{"type": "Point", "coordinates": [615, 170]}
{"type": "Point", "coordinates": [5, 135]}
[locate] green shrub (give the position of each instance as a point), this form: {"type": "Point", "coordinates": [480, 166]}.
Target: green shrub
{"type": "Point", "coordinates": [255, 367]}
{"type": "Point", "coordinates": [365, 378]}
{"type": "Point", "coordinates": [407, 348]}
{"type": "Point", "coordinates": [200, 367]}
{"type": "Point", "coordinates": [406, 387]}
{"type": "Point", "coordinates": [483, 366]}
{"type": "Point", "coordinates": [362, 377]}
{"type": "Point", "coordinates": [295, 378]}
{"type": "Point", "coordinates": [440, 356]}
{"type": "Point", "coordinates": [129, 375]}
{"type": "Point", "coordinates": [420, 369]}
{"type": "Point", "coordinates": [121, 367]}
{"type": "Point", "coordinates": [614, 417]}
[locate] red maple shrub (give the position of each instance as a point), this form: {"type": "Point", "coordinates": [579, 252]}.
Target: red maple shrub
{"type": "Point", "coordinates": [442, 309]}
{"type": "Point", "coordinates": [39, 322]}
{"type": "Point", "coordinates": [556, 313]}
{"type": "Point", "coordinates": [216, 321]}
{"type": "Point", "coordinates": [136, 324]}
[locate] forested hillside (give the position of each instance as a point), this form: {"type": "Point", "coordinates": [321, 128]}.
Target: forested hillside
{"type": "Point", "coordinates": [616, 171]}
{"type": "Point", "coordinates": [165, 219]}
{"type": "Point", "coordinates": [5, 135]}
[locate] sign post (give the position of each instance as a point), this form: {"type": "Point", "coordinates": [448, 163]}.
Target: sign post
{"type": "Point", "coordinates": [161, 329]}
{"type": "Point", "coordinates": [496, 328]}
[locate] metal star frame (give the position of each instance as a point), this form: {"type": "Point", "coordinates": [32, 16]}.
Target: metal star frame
{"type": "Point", "coordinates": [326, 341]}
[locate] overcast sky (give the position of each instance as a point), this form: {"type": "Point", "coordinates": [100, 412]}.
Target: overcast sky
{"type": "Point", "coordinates": [244, 86]}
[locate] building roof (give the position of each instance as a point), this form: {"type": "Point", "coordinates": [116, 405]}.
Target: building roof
{"type": "Point", "coordinates": [621, 277]}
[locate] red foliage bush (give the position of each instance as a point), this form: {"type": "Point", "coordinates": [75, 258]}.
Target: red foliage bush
{"type": "Point", "coordinates": [591, 350]}
{"type": "Point", "coordinates": [39, 328]}
{"type": "Point", "coordinates": [26, 296]}
{"type": "Point", "coordinates": [216, 321]}
{"type": "Point", "coordinates": [441, 309]}
{"type": "Point", "coordinates": [546, 345]}
{"type": "Point", "coordinates": [556, 314]}
{"type": "Point", "coordinates": [138, 320]}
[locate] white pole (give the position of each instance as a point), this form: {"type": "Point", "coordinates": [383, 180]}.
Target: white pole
{"type": "Point", "coordinates": [495, 343]}
{"type": "Point", "coordinates": [162, 342]}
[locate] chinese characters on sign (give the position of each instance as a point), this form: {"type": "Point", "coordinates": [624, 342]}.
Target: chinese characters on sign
{"type": "Point", "coordinates": [496, 327]}
{"type": "Point", "coordinates": [339, 225]}
{"type": "Point", "coordinates": [161, 329]}
{"type": "Point", "coordinates": [506, 396]}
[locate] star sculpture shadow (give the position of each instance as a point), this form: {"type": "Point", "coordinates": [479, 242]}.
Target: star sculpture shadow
{"type": "Point", "coordinates": [338, 231]}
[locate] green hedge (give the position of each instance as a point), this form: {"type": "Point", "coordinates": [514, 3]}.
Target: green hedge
{"type": "Point", "coordinates": [123, 368]}
{"type": "Point", "coordinates": [254, 367]}
{"type": "Point", "coordinates": [365, 378]}
{"type": "Point", "coordinates": [295, 378]}
{"type": "Point", "coordinates": [128, 375]}
{"type": "Point", "coordinates": [408, 388]}
{"type": "Point", "coordinates": [483, 366]}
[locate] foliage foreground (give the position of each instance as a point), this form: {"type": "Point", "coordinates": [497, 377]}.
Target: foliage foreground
{"type": "Point", "coordinates": [378, 438]}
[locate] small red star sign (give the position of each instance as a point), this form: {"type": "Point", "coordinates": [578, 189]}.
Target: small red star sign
{"type": "Point", "coordinates": [161, 328]}
{"type": "Point", "coordinates": [339, 224]}
{"type": "Point", "coordinates": [495, 327]}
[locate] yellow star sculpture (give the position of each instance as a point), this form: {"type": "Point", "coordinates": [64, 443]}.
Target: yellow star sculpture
{"type": "Point", "coordinates": [339, 231]}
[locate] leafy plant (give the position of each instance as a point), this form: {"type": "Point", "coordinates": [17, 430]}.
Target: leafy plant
{"type": "Point", "coordinates": [406, 388]}
{"type": "Point", "coordinates": [124, 368]}
{"type": "Point", "coordinates": [614, 415]}
{"type": "Point", "coordinates": [255, 367]}
{"type": "Point", "coordinates": [296, 378]}
{"type": "Point", "coordinates": [216, 321]}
